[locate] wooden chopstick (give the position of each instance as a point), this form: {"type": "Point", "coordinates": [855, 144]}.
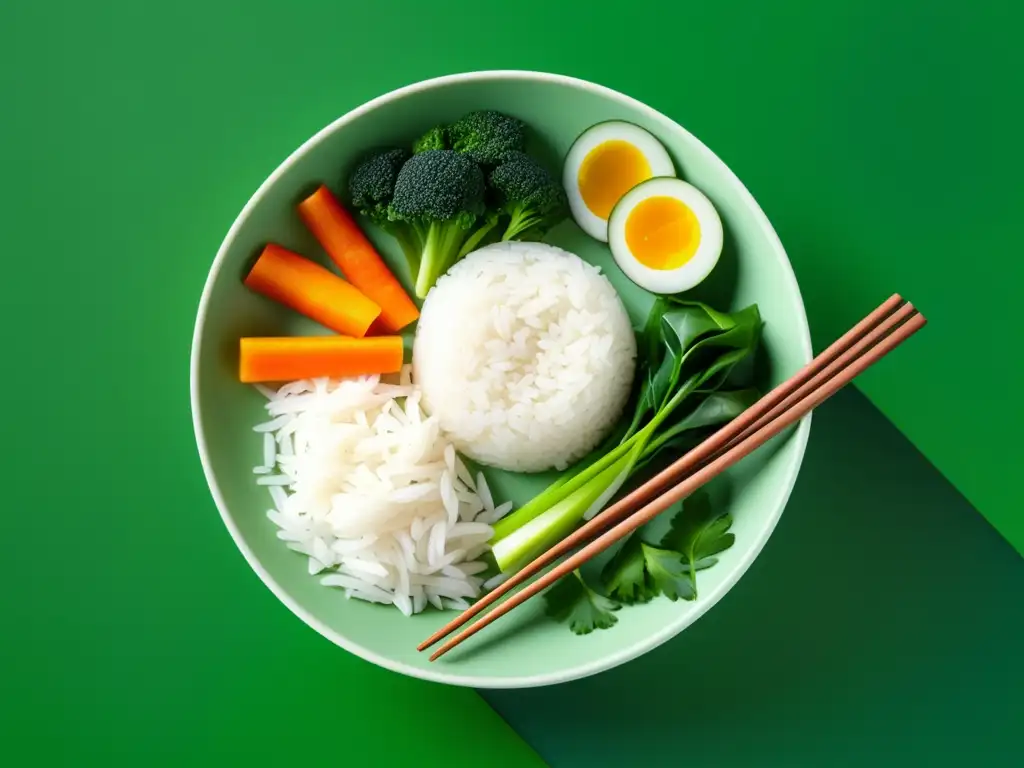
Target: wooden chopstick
{"type": "Point", "coordinates": [854, 366]}
{"type": "Point", "coordinates": [858, 338]}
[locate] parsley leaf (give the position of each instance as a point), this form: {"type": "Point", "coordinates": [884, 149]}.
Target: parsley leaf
{"type": "Point", "coordinates": [571, 600]}
{"type": "Point", "coordinates": [667, 572]}
{"type": "Point", "coordinates": [640, 572]}
{"type": "Point", "coordinates": [698, 534]}
{"type": "Point", "coordinates": [625, 575]}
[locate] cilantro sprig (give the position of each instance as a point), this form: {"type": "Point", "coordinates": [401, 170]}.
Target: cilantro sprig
{"type": "Point", "coordinates": [573, 601]}
{"type": "Point", "coordinates": [641, 571]}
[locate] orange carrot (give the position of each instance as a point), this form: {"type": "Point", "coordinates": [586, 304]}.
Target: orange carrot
{"type": "Point", "coordinates": [306, 357]}
{"type": "Point", "coordinates": [345, 243]}
{"type": "Point", "coordinates": [315, 291]}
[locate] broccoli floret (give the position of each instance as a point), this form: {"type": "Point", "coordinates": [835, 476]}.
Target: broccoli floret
{"type": "Point", "coordinates": [371, 186]}
{"type": "Point", "coordinates": [440, 194]}
{"type": "Point", "coordinates": [372, 183]}
{"type": "Point", "coordinates": [487, 136]}
{"type": "Point", "coordinates": [432, 139]}
{"type": "Point", "coordinates": [532, 198]}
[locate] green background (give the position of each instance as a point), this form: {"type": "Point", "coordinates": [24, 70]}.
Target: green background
{"type": "Point", "coordinates": [882, 139]}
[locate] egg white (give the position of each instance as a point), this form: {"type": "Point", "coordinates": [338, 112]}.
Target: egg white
{"type": "Point", "coordinates": [656, 155]}
{"type": "Point", "coordinates": [694, 271]}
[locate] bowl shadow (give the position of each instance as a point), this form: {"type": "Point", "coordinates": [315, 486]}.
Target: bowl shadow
{"type": "Point", "coordinates": [853, 595]}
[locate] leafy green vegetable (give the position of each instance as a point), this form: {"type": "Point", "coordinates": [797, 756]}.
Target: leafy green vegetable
{"type": "Point", "coordinates": [715, 409]}
{"type": "Point", "coordinates": [640, 571]}
{"type": "Point", "coordinates": [667, 574]}
{"type": "Point", "coordinates": [698, 533]}
{"type": "Point", "coordinates": [687, 352]}
{"type": "Point", "coordinates": [625, 575]}
{"type": "Point", "coordinates": [571, 600]}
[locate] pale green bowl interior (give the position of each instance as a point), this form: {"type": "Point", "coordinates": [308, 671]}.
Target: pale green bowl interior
{"type": "Point", "coordinates": [524, 648]}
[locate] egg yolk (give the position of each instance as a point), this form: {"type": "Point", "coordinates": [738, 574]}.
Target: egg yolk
{"type": "Point", "coordinates": [609, 171]}
{"type": "Point", "coordinates": [662, 233]}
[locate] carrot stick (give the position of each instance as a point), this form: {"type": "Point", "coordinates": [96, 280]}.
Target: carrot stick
{"type": "Point", "coordinates": [349, 248]}
{"type": "Point", "coordinates": [315, 291]}
{"type": "Point", "coordinates": [307, 357]}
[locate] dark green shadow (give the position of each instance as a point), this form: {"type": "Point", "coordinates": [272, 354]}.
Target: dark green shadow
{"type": "Point", "coordinates": [881, 625]}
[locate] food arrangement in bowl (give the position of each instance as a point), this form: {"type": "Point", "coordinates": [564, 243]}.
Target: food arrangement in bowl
{"type": "Point", "coordinates": [468, 340]}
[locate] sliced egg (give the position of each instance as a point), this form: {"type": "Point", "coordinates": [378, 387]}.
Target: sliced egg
{"type": "Point", "coordinates": [665, 235]}
{"type": "Point", "coordinates": [604, 163]}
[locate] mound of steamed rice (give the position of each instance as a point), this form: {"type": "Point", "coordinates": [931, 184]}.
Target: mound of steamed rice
{"type": "Point", "coordinates": [525, 355]}
{"type": "Point", "coordinates": [369, 490]}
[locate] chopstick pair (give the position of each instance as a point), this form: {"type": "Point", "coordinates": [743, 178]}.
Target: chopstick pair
{"type": "Point", "coordinates": [872, 338]}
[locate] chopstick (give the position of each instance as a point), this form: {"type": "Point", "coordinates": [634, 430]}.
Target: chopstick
{"type": "Point", "coordinates": [863, 334]}
{"type": "Point", "coordinates": [913, 321]}
{"type": "Point", "coordinates": [866, 343]}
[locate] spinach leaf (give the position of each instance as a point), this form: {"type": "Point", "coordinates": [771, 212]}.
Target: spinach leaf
{"type": "Point", "coordinates": [715, 409]}
{"type": "Point", "coordinates": [672, 332]}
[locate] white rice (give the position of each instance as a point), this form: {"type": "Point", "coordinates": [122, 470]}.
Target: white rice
{"type": "Point", "coordinates": [367, 487]}
{"type": "Point", "coordinates": [525, 356]}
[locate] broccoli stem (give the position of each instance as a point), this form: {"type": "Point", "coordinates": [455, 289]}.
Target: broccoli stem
{"type": "Point", "coordinates": [441, 250]}
{"type": "Point", "coordinates": [410, 247]}
{"type": "Point", "coordinates": [474, 240]}
{"type": "Point", "coordinates": [522, 219]}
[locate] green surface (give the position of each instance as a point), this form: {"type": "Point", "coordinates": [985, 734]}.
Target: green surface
{"type": "Point", "coordinates": [901, 649]}
{"type": "Point", "coordinates": [752, 270]}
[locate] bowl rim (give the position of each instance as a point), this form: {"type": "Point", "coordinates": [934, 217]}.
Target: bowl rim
{"type": "Point", "coordinates": [438, 674]}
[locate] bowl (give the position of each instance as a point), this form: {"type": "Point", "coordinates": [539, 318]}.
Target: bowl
{"type": "Point", "coordinates": [526, 648]}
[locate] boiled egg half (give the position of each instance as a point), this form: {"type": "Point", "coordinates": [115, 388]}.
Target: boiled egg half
{"type": "Point", "coordinates": [665, 235]}
{"type": "Point", "coordinates": [603, 164]}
